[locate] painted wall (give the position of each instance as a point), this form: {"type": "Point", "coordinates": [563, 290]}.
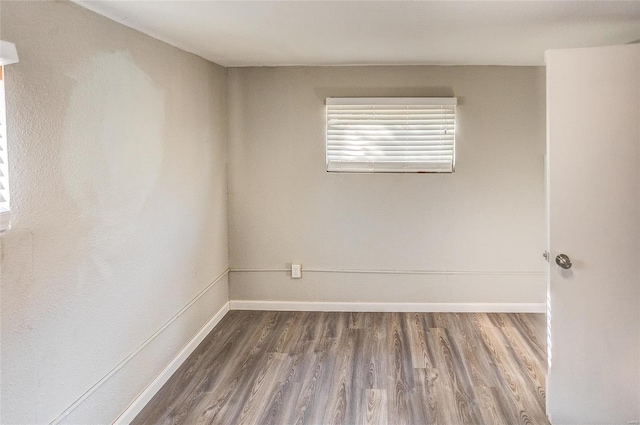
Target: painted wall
{"type": "Point", "coordinates": [119, 187]}
{"type": "Point", "coordinates": [118, 177]}
{"type": "Point", "coordinates": [478, 233]}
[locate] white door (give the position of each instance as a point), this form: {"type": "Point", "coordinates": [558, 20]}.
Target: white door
{"type": "Point", "coordinates": [593, 154]}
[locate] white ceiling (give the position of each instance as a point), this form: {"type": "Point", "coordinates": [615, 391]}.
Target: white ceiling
{"type": "Point", "coordinates": [259, 33]}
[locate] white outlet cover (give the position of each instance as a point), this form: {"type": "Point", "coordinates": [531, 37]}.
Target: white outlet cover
{"type": "Point", "coordinates": [296, 271]}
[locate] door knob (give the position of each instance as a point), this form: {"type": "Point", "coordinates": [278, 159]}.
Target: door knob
{"type": "Point", "coordinates": [563, 261]}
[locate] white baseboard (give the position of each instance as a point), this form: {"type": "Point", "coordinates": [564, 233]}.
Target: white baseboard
{"type": "Point", "coordinates": [388, 307]}
{"type": "Point", "coordinates": [147, 394]}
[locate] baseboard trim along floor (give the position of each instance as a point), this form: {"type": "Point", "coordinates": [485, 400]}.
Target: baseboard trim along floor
{"type": "Point", "coordinates": [388, 307]}
{"type": "Point", "coordinates": [147, 394]}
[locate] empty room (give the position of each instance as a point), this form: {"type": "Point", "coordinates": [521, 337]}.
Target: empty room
{"type": "Point", "coordinates": [319, 212]}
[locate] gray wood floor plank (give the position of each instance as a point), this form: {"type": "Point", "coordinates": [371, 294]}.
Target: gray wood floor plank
{"type": "Point", "coordinates": [320, 368]}
{"type": "Point", "coordinates": [375, 407]}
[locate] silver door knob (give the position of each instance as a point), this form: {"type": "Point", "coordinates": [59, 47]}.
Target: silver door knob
{"type": "Point", "coordinates": [563, 261]}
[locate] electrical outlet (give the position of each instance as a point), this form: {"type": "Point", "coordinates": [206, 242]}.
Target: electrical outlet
{"type": "Point", "coordinates": [296, 271]}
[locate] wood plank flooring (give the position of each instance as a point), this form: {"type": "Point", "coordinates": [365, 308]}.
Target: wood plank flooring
{"type": "Point", "coordinates": [314, 368]}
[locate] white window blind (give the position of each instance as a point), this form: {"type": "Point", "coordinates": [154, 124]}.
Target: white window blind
{"type": "Point", "coordinates": [4, 166]}
{"type": "Point", "coordinates": [8, 55]}
{"type": "Point", "coordinates": [413, 135]}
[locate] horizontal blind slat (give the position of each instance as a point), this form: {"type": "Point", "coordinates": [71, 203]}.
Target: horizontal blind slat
{"type": "Point", "coordinates": [416, 113]}
{"type": "Point", "coordinates": [380, 107]}
{"type": "Point", "coordinates": [370, 141]}
{"type": "Point", "coordinates": [392, 157]}
{"type": "Point", "coordinates": [380, 117]}
{"type": "Point", "coordinates": [391, 167]}
{"type": "Point", "coordinates": [397, 124]}
{"type": "Point", "coordinates": [365, 135]}
{"type": "Point", "coordinates": [390, 144]}
{"type": "Point", "coordinates": [385, 149]}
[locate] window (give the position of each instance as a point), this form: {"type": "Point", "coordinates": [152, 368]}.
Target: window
{"type": "Point", "coordinates": [8, 55]}
{"type": "Point", "coordinates": [391, 135]}
{"type": "Point", "coordinates": [4, 166]}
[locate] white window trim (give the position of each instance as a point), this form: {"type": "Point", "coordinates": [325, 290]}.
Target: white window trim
{"type": "Point", "coordinates": [8, 55]}
{"type": "Point", "coordinates": [390, 135]}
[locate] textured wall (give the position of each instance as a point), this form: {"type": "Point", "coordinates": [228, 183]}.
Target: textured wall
{"type": "Point", "coordinates": [118, 177]}
{"type": "Point", "coordinates": [485, 219]}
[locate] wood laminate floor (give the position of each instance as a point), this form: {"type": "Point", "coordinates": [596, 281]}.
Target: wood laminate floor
{"type": "Point", "coordinates": [289, 368]}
